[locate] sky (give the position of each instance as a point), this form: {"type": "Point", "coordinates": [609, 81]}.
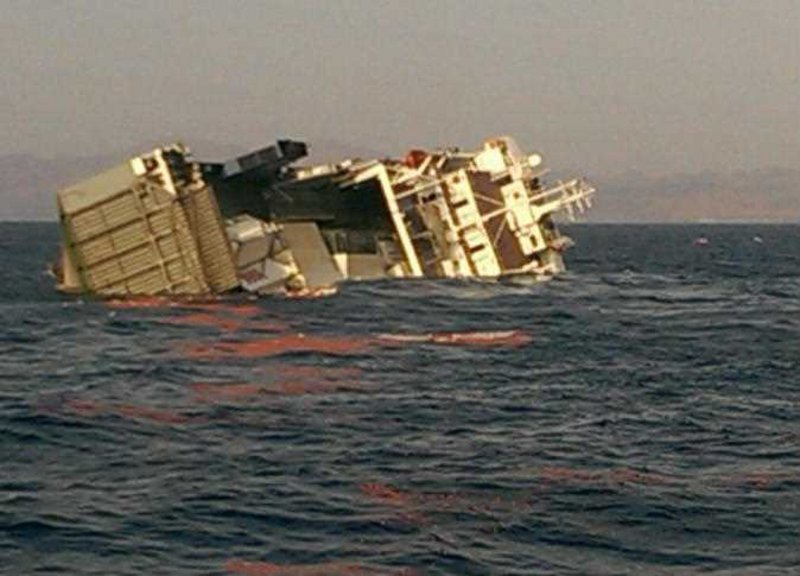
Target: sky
{"type": "Point", "coordinates": [607, 86]}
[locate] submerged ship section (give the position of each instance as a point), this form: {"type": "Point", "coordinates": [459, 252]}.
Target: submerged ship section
{"type": "Point", "coordinates": [164, 223]}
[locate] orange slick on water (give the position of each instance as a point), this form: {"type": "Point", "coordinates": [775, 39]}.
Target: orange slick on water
{"type": "Point", "coordinates": [93, 408]}
{"type": "Point", "coordinates": [267, 568]}
{"type": "Point", "coordinates": [320, 387]}
{"type": "Point", "coordinates": [415, 503]}
{"type": "Point", "coordinates": [140, 302]}
{"type": "Point", "coordinates": [245, 568]}
{"type": "Point", "coordinates": [203, 319]}
{"type": "Point", "coordinates": [608, 476]}
{"type": "Point", "coordinates": [234, 308]}
{"type": "Point", "coordinates": [305, 372]}
{"type": "Point", "coordinates": [343, 345]}
{"type": "Point", "coordinates": [385, 493]}
{"type": "Point", "coordinates": [510, 338]}
{"type": "Point", "coordinates": [207, 392]}
{"type": "Point", "coordinates": [224, 323]}
{"type": "Point", "coordinates": [280, 345]}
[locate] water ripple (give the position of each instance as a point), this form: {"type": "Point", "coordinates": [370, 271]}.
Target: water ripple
{"type": "Point", "coordinates": [641, 419]}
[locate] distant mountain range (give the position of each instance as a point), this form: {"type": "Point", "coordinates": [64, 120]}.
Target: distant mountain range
{"type": "Point", "coordinates": [28, 185]}
{"type": "Point", "coordinates": [763, 195]}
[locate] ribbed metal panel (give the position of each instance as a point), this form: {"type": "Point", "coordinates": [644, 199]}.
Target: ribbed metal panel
{"type": "Point", "coordinates": [212, 242]}
{"type": "Point", "coordinates": [138, 241]}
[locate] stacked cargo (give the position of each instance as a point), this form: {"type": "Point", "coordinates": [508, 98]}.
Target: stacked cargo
{"type": "Point", "coordinates": [137, 230]}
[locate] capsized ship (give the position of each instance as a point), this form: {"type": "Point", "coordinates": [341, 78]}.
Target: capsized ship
{"type": "Point", "coordinates": [165, 224]}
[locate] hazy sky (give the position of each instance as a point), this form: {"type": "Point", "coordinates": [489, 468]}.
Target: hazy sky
{"type": "Point", "coordinates": [605, 86]}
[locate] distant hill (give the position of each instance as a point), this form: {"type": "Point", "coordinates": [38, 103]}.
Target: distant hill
{"type": "Point", "coordinates": [771, 194]}
{"type": "Point", "coordinates": [28, 185]}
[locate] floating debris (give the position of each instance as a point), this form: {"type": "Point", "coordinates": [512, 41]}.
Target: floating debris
{"type": "Point", "coordinates": [510, 338]}
{"type": "Point", "coordinates": [141, 303]}
{"type": "Point", "coordinates": [203, 319]}
{"type": "Point", "coordinates": [276, 346]}
{"type": "Point", "coordinates": [163, 224]}
{"type": "Point", "coordinates": [87, 408]}
{"type": "Point", "coordinates": [415, 506]}
{"type": "Point", "coordinates": [288, 343]}
{"type": "Point", "coordinates": [208, 320]}
{"type": "Point", "coordinates": [211, 393]}
{"type": "Point", "coordinates": [618, 476]}
{"type": "Point", "coordinates": [247, 568]}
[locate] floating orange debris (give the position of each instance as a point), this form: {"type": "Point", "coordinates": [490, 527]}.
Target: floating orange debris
{"type": "Point", "coordinates": [207, 392]}
{"type": "Point", "coordinates": [226, 307]}
{"type": "Point", "coordinates": [342, 345]}
{"type": "Point", "coordinates": [440, 501]}
{"type": "Point", "coordinates": [487, 338]}
{"type": "Point", "coordinates": [267, 568]}
{"type": "Point", "coordinates": [759, 479]}
{"type": "Point", "coordinates": [561, 474]}
{"type": "Point", "coordinates": [214, 305]}
{"type": "Point", "coordinates": [266, 326]}
{"type": "Point", "coordinates": [142, 302]}
{"type": "Point", "coordinates": [629, 476]}
{"type": "Point", "coordinates": [150, 414]}
{"type": "Point", "coordinates": [89, 408]}
{"type": "Point", "coordinates": [320, 387]}
{"type": "Point", "coordinates": [226, 324]}
{"type": "Point", "coordinates": [293, 379]}
{"type": "Point", "coordinates": [245, 568]}
{"type": "Point", "coordinates": [385, 493]}
{"type": "Point", "coordinates": [280, 345]}
{"type": "Point", "coordinates": [305, 372]}
{"type": "Point", "coordinates": [252, 568]}
{"type": "Point", "coordinates": [612, 476]}
{"type": "Point", "coordinates": [203, 319]}
{"type": "Point", "coordinates": [93, 408]}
